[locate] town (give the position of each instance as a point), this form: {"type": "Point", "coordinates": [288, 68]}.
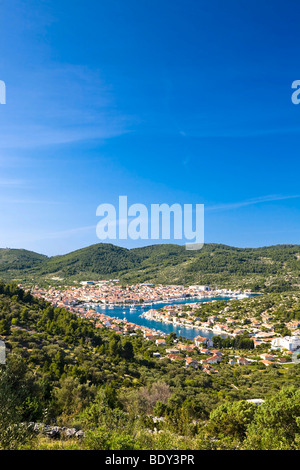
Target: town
{"type": "Point", "coordinates": [111, 293]}
{"type": "Point", "coordinates": [269, 347]}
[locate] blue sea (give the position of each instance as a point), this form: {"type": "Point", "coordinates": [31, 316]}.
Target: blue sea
{"type": "Point", "coordinates": [134, 316]}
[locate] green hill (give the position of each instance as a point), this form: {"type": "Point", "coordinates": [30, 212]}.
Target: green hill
{"type": "Point", "coordinates": [15, 261]}
{"type": "Point", "coordinates": [269, 268]}
{"type": "Point", "coordinates": [62, 373]}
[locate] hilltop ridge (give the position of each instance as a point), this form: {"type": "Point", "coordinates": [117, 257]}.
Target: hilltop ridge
{"type": "Point", "coordinates": [272, 267]}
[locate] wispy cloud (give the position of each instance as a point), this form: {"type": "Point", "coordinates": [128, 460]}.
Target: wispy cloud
{"type": "Point", "coordinates": [12, 182]}
{"type": "Point", "coordinates": [35, 136]}
{"type": "Point", "coordinates": [60, 104]}
{"type": "Point", "coordinates": [249, 202]}
{"type": "Point", "coordinates": [66, 233]}
{"type": "Point", "coordinates": [29, 201]}
{"type": "Point", "coordinates": [32, 237]}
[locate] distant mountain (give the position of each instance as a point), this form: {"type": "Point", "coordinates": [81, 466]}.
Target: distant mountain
{"type": "Point", "coordinates": [274, 267]}
{"type": "Point", "coordinates": [15, 261]}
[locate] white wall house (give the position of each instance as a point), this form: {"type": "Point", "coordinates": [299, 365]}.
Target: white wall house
{"type": "Point", "coordinates": [202, 288]}
{"type": "Point", "coordinates": [291, 343]}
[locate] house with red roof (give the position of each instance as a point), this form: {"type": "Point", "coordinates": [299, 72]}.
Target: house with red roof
{"type": "Point", "coordinates": [243, 361]}
{"type": "Point", "coordinates": [174, 357]}
{"type": "Point", "coordinates": [213, 360]}
{"type": "Point", "coordinates": [160, 342]}
{"type": "Point", "coordinates": [266, 363]}
{"type": "Point", "coordinates": [191, 362]}
{"type": "Point", "coordinates": [208, 369]}
{"type": "Point", "coordinates": [198, 340]}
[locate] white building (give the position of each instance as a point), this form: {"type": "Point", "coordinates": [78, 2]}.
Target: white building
{"type": "Point", "coordinates": [291, 343]}
{"type": "Point", "coordinates": [202, 288]}
{"type": "Point", "coordinates": [256, 401]}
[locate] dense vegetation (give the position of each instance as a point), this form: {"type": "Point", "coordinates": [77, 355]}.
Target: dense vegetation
{"type": "Point", "coordinates": [61, 369]}
{"type": "Point", "coordinates": [268, 269]}
{"type": "Point", "coordinates": [14, 261]}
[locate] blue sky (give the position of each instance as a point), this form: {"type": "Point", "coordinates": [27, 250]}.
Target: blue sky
{"type": "Point", "coordinates": [182, 101]}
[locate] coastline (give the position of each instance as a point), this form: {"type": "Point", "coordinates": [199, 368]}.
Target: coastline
{"type": "Point", "coordinates": [159, 300]}
{"type": "Point", "coordinates": [177, 325]}
{"type": "Point", "coordinates": [216, 331]}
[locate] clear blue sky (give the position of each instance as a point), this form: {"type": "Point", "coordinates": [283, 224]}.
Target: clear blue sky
{"type": "Point", "coordinates": [167, 101]}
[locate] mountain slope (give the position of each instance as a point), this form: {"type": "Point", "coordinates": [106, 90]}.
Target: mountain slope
{"type": "Point", "coordinates": [214, 264]}
{"type": "Point", "coordinates": [14, 261]}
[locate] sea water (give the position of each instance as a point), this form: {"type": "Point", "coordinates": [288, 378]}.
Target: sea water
{"type": "Point", "coordinates": [133, 314]}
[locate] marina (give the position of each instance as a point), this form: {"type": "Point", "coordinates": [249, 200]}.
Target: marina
{"type": "Point", "coordinates": [138, 316]}
{"type": "Point", "coordinates": [142, 306]}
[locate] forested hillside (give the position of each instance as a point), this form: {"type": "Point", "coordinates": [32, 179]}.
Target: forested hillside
{"type": "Point", "coordinates": [274, 268]}
{"type": "Point", "coordinates": [13, 262]}
{"type": "Point", "coordinates": [62, 370]}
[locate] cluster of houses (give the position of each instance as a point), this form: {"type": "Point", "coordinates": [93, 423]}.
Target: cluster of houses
{"type": "Point", "coordinates": [204, 346]}
{"type": "Point", "coordinates": [121, 326]}
{"type": "Point", "coordinates": [179, 352]}
{"type": "Point", "coordinates": [112, 293]}
{"type": "Point", "coordinates": [206, 357]}
{"type": "Point", "coordinates": [260, 330]}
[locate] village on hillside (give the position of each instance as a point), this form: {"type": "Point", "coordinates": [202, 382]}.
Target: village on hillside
{"type": "Point", "coordinates": [199, 353]}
